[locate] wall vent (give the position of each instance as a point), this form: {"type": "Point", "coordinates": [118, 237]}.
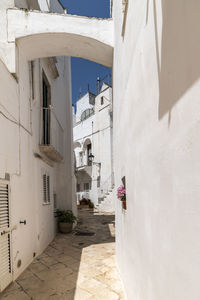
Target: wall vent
{"type": "Point", "coordinates": [46, 189]}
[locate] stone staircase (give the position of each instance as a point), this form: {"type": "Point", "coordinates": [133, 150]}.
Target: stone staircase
{"type": "Point", "coordinates": [107, 203]}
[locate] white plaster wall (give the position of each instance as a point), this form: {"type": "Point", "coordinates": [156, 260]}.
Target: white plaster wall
{"type": "Point", "coordinates": [97, 129]}
{"type": "Point", "coordinates": [81, 105]}
{"type": "Point", "coordinates": [27, 189]}
{"type": "Point", "coordinates": [9, 108]}
{"type": "Point", "coordinates": [156, 142]}
{"type": "Point", "coordinates": [81, 132]}
{"type": "Point", "coordinates": [103, 137]}
{"type": "Point", "coordinates": [18, 160]}
{"type": "Point", "coordinates": [6, 3]}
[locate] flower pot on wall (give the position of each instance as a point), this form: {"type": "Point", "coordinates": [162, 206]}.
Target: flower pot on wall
{"type": "Point", "coordinates": [124, 204]}
{"type": "Point", "coordinates": [65, 227]}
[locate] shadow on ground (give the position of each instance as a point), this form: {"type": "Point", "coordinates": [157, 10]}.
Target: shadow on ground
{"type": "Point", "coordinates": [74, 266]}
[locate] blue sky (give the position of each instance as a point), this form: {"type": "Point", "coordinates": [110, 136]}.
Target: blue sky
{"type": "Point", "coordinates": [85, 72]}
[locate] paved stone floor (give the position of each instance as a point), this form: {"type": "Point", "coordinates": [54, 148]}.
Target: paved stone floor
{"type": "Point", "coordinates": [73, 266]}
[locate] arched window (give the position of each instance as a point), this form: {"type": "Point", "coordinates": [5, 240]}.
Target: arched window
{"type": "Point", "coordinates": [87, 113]}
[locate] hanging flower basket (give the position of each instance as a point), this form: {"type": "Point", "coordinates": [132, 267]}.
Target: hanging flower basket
{"type": "Point", "coordinates": [121, 194]}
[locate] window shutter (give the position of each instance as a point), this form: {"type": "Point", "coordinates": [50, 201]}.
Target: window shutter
{"type": "Point", "coordinates": [5, 258]}
{"type": "Point", "coordinates": [4, 205]}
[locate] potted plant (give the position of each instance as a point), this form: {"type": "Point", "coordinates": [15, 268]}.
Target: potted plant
{"type": "Point", "coordinates": [90, 203]}
{"type": "Point", "coordinates": [66, 219]}
{"type": "Point", "coordinates": [121, 194]}
{"type": "Point", "coordinates": [84, 202]}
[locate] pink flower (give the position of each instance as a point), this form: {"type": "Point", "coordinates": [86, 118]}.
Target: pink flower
{"type": "Point", "coordinates": [121, 192]}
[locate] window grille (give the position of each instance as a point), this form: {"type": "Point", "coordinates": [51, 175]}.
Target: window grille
{"type": "Point", "coordinates": [5, 231]}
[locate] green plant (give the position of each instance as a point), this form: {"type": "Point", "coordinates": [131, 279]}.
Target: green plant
{"type": "Point", "coordinates": [66, 216]}
{"type": "Point", "coordinates": [91, 204]}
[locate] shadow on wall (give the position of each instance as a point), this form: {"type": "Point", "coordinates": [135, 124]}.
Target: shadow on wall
{"type": "Point", "coordinates": [179, 64]}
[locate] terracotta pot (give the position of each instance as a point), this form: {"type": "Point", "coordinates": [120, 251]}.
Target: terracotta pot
{"type": "Point", "coordinates": [124, 204]}
{"type": "Point", "coordinates": [83, 206]}
{"type": "Point", "coordinates": [65, 227]}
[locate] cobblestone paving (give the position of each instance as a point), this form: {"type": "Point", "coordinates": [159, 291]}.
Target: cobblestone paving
{"type": "Point", "coordinates": [73, 266]}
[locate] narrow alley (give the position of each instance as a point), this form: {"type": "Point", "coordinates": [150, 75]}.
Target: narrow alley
{"type": "Point", "coordinates": [80, 265]}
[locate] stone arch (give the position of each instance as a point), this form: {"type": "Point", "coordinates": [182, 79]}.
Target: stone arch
{"type": "Point", "coordinates": [77, 144]}
{"type": "Point", "coordinates": [41, 34]}
{"type": "Point", "coordinates": [86, 142]}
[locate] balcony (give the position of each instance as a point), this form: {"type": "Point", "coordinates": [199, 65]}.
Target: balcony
{"type": "Point", "coordinates": [52, 135]}
{"type": "Point", "coordinates": [85, 168]}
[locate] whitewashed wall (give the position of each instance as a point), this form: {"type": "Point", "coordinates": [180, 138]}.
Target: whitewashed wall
{"type": "Point", "coordinates": [156, 142]}
{"type": "Point", "coordinates": [103, 136]}
{"type": "Point", "coordinates": [20, 143]}
{"type": "Point", "coordinates": [98, 129]}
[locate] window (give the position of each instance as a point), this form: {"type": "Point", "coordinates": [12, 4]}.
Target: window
{"type": "Point", "coordinates": [89, 151]}
{"type": "Point", "coordinates": [86, 187]}
{"type": "Point", "coordinates": [46, 189]}
{"type": "Point", "coordinates": [102, 101]}
{"type": "Point", "coordinates": [87, 113]}
{"type": "Point", "coordinates": [78, 187]}
{"type": "Point", "coordinates": [46, 102]}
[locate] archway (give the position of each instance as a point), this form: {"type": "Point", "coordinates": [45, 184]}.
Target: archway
{"type": "Point", "coordinates": [41, 34]}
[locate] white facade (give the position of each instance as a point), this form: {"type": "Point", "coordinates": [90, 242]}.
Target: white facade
{"type": "Point", "coordinates": [93, 135]}
{"type": "Point", "coordinates": [156, 147]}
{"type": "Point", "coordinates": [30, 164]}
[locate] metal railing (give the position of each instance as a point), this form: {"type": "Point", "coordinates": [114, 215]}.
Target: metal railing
{"type": "Point", "coordinates": [52, 131]}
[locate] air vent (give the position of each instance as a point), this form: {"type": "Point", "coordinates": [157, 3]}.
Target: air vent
{"type": "Point", "coordinates": [46, 189]}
